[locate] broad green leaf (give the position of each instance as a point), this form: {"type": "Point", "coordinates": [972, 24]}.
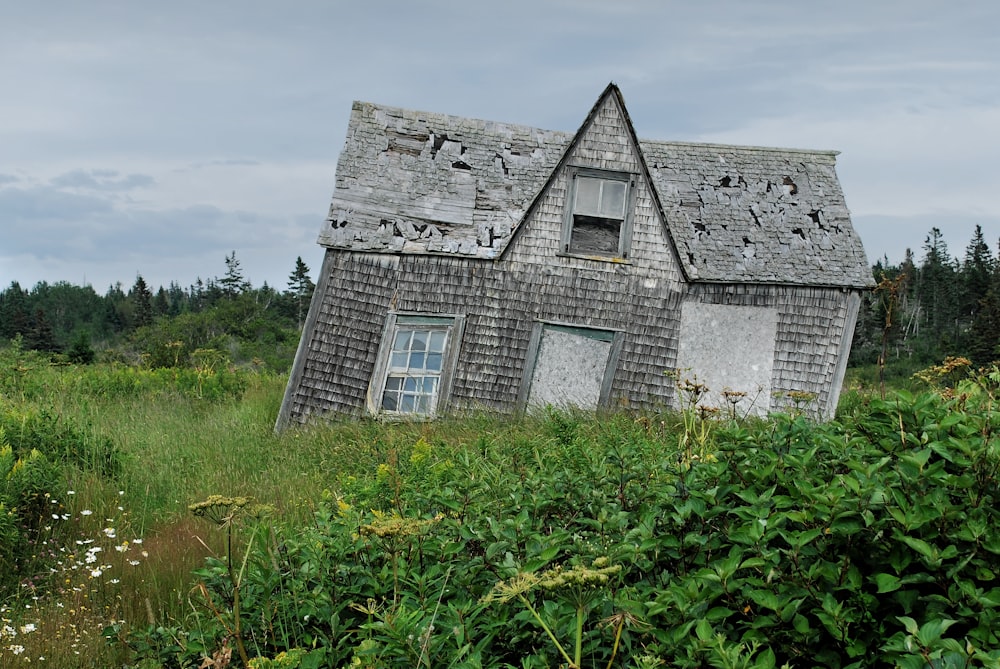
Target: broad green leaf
{"type": "Point", "coordinates": [887, 582]}
{"type": "Point", "coordinates": [765, 599]}
{"type": "Point", "coordinates": [718, 613]}
{"type": "Point", "coordinates": [932, 630]}
{"type": "Point", "coordinates": [801, 624]}
{"type": "Point", "coordinates": [704, 630]}
{"type": "Point", "coordinates": [920, 546]}
{"type": "Point", "coordinates": [909, 623]}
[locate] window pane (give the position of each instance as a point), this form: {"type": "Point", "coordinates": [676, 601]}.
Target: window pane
{"type": "Point", "coordinates": [402, 340]}
{"type": "Point", "coordinates": [434, 362]}
{"type": "Point", "coordinates": [390, 401]}
{"type": "Point", "coordinates": [393, 383]}
{"type": "Point", "coordinates": [406, 403]}
{"type": "Point", "coordinates": [419, 341]}
{"type": "Point", "coordinates": [613, 199]}
{"type": "Point", "coordinates": [410, 385]}
{"type": "Point", "coordinates": [398, 360]}
{"type": "Point", "coordinates": [437, 341]}
{"type": "Point", "coordinates": [588, 195]}
{"type": "Point", "coordinates": [416, 361]}
{"type": "Point", "coordinates": [595, 236]}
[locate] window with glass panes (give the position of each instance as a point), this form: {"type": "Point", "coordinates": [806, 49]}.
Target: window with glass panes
{"type": "Point", "coordinates": [597, 218]}
{"type": "Point", "coordinates": [413, 374]}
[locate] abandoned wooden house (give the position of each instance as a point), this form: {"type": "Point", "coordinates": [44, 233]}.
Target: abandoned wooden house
{"type": "Point", "coordinates": [480, 265]}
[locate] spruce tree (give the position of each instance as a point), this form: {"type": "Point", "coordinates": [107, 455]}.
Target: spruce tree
{"type": "Point", "coordinates": [977, 274]}
{"type": "Point", "coordinates": [40, 336]}
{"type": "Point", "coordinates": [937, 291]}
{"type": "Point", "coordinates": [300, 289]}
{"type": "Point", "coordinates": [142, 303]}
{"type": "Point", "coordinates": [984, 333]}
{"type": "Point", "coordinates": [233, 283]}
{"type": "Point", "coordinates": [14, 318]}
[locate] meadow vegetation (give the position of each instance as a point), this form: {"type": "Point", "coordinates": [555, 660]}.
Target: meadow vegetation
{"type": "Point", "coordinates": [151, 518]}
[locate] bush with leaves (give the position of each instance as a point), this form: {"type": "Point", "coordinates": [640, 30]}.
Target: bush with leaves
{"type": "Point", "coordinates": [604, 542]}
{"type": "Point", "coordinates": [28, 482]}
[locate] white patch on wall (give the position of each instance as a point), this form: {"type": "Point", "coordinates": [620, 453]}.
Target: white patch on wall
{"type": "Point", "coordinates": [570, 368]}
{"type": "Point", "coordinates": [729, 347]}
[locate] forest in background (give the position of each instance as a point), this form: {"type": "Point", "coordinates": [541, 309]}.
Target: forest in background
{"type": "Point", "coordinates": [923, 309]}
{"type": "Point", "coordinates": [171, 327]}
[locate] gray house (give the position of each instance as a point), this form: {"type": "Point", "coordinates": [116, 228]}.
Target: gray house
{"type": "Point", "coordinates": [474, 264]}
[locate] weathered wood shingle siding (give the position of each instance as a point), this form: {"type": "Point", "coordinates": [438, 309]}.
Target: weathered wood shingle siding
{"type": "Point", "coordinates": [501, 304]}
{"type": "Point", "coordinates": [340, 343]}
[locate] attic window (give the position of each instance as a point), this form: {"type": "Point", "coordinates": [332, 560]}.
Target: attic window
{"type": "Point", "coordinates": [414, 365]}
{"type": "Point", "coordinates": [598, 214]}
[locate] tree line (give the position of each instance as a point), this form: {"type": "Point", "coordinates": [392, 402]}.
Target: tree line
{"type": "Point", "coordinates": [925, 309]}
{"type": "Point", "coordinates": [921, 311]}
{"type": "Point", "coordinates": [164, 327]}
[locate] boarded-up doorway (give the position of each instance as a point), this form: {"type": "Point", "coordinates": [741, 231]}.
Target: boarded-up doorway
{"type": "Point", "coordinates": [569, 366]}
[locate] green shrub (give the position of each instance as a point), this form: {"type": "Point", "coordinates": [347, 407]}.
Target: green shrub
{"type": "Point", "coordinates": [59, 440]}
{"type": "Point", "coordinates": [28, 483]}
{"type": "Point", "coordinates": [859, 543]}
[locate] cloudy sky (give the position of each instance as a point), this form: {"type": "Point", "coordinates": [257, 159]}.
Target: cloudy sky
{"type": "Point", "coordinates": [156, 138]}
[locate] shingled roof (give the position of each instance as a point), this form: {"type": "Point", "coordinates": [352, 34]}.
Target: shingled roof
{"type": "Point", "coordinates": [426, 183]}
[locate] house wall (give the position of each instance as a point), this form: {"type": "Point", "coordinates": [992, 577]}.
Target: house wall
{"type": "Point", "coordinates": [501, 305]}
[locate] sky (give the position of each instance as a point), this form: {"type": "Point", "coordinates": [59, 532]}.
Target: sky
{"type": "Point", "coordinates": [154, 139]}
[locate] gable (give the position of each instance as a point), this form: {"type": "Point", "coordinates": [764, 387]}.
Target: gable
{"type": "Point", "coordinates": [570, 223]}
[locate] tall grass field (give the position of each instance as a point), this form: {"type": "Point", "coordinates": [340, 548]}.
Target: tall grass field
{"type": "Point", "coordinates": [151, 518]}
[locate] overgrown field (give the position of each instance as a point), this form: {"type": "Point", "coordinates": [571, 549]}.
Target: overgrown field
{"type": "Point", "coordinates": [152, 519]}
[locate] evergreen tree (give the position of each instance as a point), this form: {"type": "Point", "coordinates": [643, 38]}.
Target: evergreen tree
{"type": "Point", "coordinates": [81, 352]}
{"type": "Point", "coordinates": [300, 290]}
{"type": "Point", "coordinates": [937, 290]}
{"type": "Point", "coordinates": [984, 333]}
{"type": "Point", "coordinates": [141, 299]}
{"type": "Point", "coordinates": [977, 274]}
{"type": "Point", "coordinates": [14, 318]}
{"type": "Point", "coordinates": [197, 295]}
{"type": "Point", "coordinates": [177, 299]}
{"type": "Point", "coordinates": [161, 303]}
{"type": "Point", "coordinates": [233, 283]}
{"type": "Point", "coordinates": [115, 306]}
{"type": "Point", "coordinates": [40, 336]}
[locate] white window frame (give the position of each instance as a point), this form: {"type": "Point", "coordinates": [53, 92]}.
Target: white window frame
{"type": "Point", "coordinates": [452, 326]}
{"type": "Point", "coordinates": [574, 175]}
